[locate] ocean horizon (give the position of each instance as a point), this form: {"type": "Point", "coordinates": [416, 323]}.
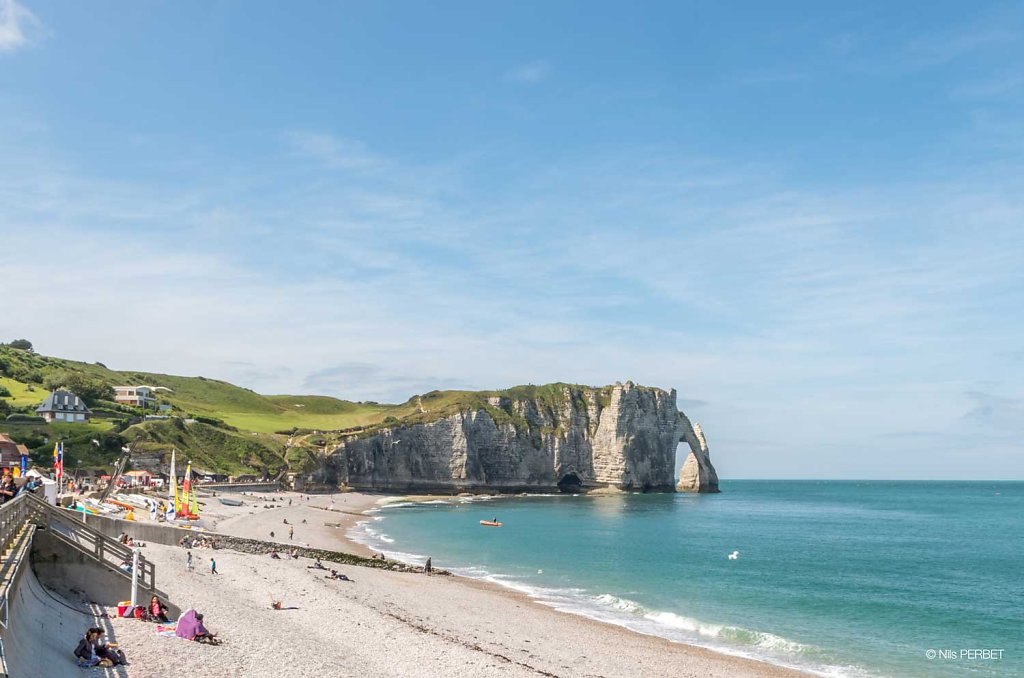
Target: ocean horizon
{"type": "Point", "coordinates": [857, 578]}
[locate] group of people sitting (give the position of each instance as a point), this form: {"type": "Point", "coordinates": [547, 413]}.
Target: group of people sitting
{"type": "Point", "coordinates": [128, 541]}
{"type": "Point", "coordinates": [197, 543]}
{"type": "Point", "coordinates": [92, 650]}
{"type": "Point", "coordinates": [277, 556]}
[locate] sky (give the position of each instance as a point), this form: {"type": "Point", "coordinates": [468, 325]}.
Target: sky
{"type": "Point", "coordinates": [808, 218]}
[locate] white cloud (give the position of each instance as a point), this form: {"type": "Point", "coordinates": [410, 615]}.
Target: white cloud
{"type": "Point", "coordinates": [530, 73]}
{"type": "Point", "coordinates": [16, 22]}
{"type": "Point", "coordinates": [796, 315]}
{"type": "Point", "coordinates": [334, 152]}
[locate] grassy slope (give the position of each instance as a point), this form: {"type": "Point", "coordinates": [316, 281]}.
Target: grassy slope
{"type": "Point", "coordinates": [237, 406]}
{"type": "Point", "coordinates": [222, 449]}
{"type": "Point", "coordinates": [211, 448]}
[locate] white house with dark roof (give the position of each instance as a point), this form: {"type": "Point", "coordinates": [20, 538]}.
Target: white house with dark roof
{"type": "Point", "coordinates": [64, 406]}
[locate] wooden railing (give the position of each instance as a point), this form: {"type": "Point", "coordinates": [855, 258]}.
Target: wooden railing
{"type": "Point", "coordinates": [68, 527]}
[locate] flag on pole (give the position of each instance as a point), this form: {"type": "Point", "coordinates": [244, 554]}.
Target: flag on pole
{"type": "Point", "coordinates": [58, 459]}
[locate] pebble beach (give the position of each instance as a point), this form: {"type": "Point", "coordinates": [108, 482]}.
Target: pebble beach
{"type": "Point", "coordinates": [382, 623]}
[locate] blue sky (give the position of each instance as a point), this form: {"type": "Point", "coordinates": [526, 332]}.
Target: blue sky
{"type": "Point", "coordinates": [809, 220]}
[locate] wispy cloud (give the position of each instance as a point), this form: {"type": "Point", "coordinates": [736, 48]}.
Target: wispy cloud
{"type": "Point", "coordinates": [992, 87]}
{"type": "Point", "coordinates": [771, 76]}
{"type": "Point", "coordinates": [17, 22]}
{"type": "Point", "coordinates": [530, 73]}
{"type": "Point", "coordinates": [992, 31]}
{"type": "Point", "coordinates": [334, 152]}
{"type": "Point", "coordinates": [332, 267]}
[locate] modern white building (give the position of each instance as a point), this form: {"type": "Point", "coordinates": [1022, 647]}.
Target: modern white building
{"type": "Point", "coordinates": [136, 396]}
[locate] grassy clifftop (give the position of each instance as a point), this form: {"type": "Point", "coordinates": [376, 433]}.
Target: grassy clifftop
{"type": "Point", "coordinates": [29, 376]}
{"type": "Point", "coordinates": [238, 430]}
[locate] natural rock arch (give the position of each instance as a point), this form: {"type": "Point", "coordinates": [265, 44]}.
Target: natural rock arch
{"type": "Point", "coordinates": [570, 483]}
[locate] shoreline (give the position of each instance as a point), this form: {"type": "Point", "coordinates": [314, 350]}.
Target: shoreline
{"type": "Point", "coordinates": [352, 508]}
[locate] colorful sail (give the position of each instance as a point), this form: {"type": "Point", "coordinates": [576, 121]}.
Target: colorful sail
{"type": "Point", "coordinates": [173, 512]}
{"type": "Point", "coordinates": [186, 490]}
{"type": "Point", "coordinates": [193, 504]}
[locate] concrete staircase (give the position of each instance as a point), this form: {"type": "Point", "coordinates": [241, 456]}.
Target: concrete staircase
{"type": "Point", "coordinates": [27, 516]}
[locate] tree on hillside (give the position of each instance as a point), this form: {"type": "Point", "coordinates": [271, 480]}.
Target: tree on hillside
{"type": "Point", "coordinates": [87, 388]}
{"type": "Point", "coordinates": [21, 344]}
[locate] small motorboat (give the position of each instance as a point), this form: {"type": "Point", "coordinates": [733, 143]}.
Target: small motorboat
{"type": "Point", "coordinates": [230, 502]}
{"type": "Point", "coordinates": [490, 523]}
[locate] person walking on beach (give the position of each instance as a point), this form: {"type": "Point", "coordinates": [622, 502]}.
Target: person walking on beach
{"type": "Point", "coordinates": [189, 567]}
{"type": "Point", "coordinates": [429, 567]}
{"type": "Point", "coordinates": [291, 532]}
{"type": "Point", "coordinates": [213, 566]}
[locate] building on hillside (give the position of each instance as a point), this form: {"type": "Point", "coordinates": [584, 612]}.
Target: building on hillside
{"type": "Point", "coordinates": [64, 406]}
{"type": "Point", "coordinates": [10, 452]}
{"type": "Point", "coordinates": [137, 478]}
{"type": "Point", "coordinates": [135, 396]}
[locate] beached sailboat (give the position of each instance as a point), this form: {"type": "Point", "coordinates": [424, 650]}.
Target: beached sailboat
{"type": "Point", "coordinates": [189, 509]}
{"type": "Point", "coordinates": [172, 510]}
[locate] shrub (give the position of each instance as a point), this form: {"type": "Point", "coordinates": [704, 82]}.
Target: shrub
{"type": "Point", "coordinates": [25, 419]}
{"type": "Point", "coordinates": [4, 392]}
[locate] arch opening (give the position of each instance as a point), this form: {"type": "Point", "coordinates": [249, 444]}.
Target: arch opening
{"type": "Point", "coordinates": [570, 483]}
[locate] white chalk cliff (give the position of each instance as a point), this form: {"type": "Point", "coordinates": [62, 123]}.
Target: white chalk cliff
{"type": "Point", "coordinates": [559, 437]}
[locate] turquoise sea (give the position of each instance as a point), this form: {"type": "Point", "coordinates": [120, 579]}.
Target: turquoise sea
{"type": "Point", "coordinates": [845, 578]}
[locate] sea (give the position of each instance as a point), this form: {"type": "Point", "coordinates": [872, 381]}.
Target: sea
{"type": "Point", "coordinates": [838, 578]}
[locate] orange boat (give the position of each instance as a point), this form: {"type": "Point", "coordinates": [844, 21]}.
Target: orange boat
{"type": "Point", "coordinates": [490, 523]}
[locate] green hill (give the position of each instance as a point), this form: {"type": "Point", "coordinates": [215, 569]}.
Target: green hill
{"type": "Point", "coordinates": [219, 426]}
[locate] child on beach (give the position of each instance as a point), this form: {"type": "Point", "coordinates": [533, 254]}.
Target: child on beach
{"type": "Point", "coordinates": [189, 567]}
{"type": "Point", "coordinates": [213, 566]}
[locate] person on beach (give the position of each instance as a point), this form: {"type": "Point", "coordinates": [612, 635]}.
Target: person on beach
{"type": "Point", "coordinates": [291, 532]}
{"type": "Point", "coordinates": [7, 489]}
{"type": "Point", "coordinates": [274, 554]}
{"type": "Point", "coordinates": [271, 534]}
{"type": "Point", "coordinates": [429, 567]}
{"type": "Point", "coordinates": [86, 650]}
{"type": "Point", "coordinates": [108, 651]}
{"type": "Point", "coordinates": [189, 567]}
{"type": "Point", "coordinates": [191, 627]}
{"type": "Point", "coordinates": [337, 575]}
{"type": "Point", "coordinates": [213, 566]}
{"type": "Point", "coordinates": [295, 554]}
{"type": "Point", "coordinates": [157, 610]}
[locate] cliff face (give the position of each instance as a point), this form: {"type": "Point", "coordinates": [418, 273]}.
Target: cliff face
{"type": "Point", "coordinates": [575, 438]}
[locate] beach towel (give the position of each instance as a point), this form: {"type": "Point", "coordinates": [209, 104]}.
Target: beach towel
{"type": "Point", "coordinates": [167, 630]}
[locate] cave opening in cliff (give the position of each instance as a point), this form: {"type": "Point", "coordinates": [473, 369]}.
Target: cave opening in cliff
{"type": "Point", "coordinates": [570, 482]}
